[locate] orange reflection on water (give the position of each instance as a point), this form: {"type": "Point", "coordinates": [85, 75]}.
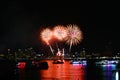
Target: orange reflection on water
{"type": "Point", "coordinates": [64, 71]}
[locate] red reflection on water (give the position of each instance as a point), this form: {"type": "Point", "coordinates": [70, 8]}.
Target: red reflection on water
{"type": "Point", "coordinates": [64, 71]}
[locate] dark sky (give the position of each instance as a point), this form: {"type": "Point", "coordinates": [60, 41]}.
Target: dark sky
{"type": "Point", "coordinates": [20, 22]}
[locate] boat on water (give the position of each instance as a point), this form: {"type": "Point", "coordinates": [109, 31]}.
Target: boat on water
{"type": "Point", "coordinates": [58, 62]}
{"type": "Point", "coordinates": [107, 62]}
{"type": "Point", "coordinates": [58, 58]}
{"type": "Point", "coordinates": [32, 65]}
{"type": "Point", "coordinates": [83, 62]}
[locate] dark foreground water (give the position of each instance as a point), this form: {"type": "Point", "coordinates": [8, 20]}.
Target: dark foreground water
{"type": "Point", "coordinates": [69, 71]}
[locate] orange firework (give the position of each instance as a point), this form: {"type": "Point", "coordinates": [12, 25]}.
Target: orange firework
{"type": "Point", "coordinates": [74, 35]}
{"type": "Point", "coordinates": [60, 32]}
{"type": "Point", "coordinates": [46, 35]}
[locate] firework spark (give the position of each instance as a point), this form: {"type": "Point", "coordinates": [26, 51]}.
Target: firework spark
{"type": "Point", "coordinates": [60, 32]}
{"type": "Point", "coordinates": [74, 35]}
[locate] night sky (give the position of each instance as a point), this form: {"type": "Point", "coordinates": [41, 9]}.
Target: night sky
{"type": "Point", "coordinates": [21, 22]}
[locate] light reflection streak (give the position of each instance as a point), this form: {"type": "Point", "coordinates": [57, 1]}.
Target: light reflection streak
{"type": "Point", "coordinates": [117, 75]}
{"type": "Point", "coordinates": [108, 71]}
{"type": "Point", "coordinates": [64, 71]}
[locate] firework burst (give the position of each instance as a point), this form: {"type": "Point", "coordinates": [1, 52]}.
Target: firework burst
{"type": "Point", "coordinates": [74, 35]}
{"type": "Point", "coordinates": [46, 35]}
{"type": "Point", "coordinates": [60, 32]}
